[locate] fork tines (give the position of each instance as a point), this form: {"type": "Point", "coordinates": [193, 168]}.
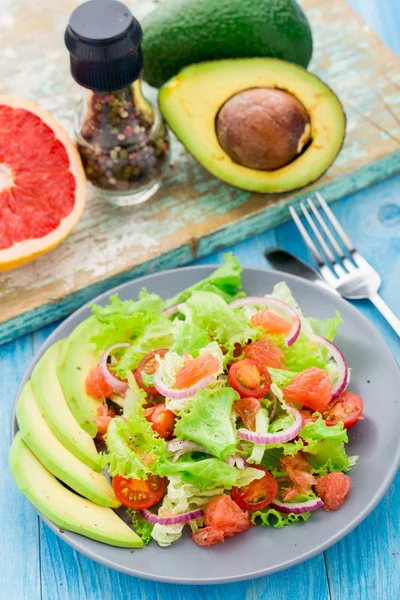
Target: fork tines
{"type": "Point", "coordinates": [333, 252]}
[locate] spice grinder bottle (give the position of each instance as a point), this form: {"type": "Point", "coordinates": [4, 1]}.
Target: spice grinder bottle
{"type": "Point", "coordinates": [120, 135]}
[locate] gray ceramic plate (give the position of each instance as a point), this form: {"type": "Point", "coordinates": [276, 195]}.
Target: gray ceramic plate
{"type": "Point", "coordinates": [375, 376]}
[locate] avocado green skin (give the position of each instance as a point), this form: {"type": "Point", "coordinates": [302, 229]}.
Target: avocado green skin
{"type": "Point", "coordinates": [61, 506]}
{"type": "Point", "coordinates": [182, 32]}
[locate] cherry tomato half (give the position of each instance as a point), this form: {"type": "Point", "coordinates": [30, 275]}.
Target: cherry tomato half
{"type": "Point", "coordinates": [249, 379]}
{"type": "Point", "coordinates": [247, 409]}
{"type": "Point", "coordinates": [258, 494]}
{"type": "Point", "coordinates": [347, 408]}
{"type": "Point", "coordinates": [139, 493]}
{"type": "Point", "coordinates": [149, 365]}
{"type": "Point", "coordinates": [162, 420]}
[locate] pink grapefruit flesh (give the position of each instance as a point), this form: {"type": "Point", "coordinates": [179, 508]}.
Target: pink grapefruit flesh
{"type": "Point", "coordinates": [42, 183]}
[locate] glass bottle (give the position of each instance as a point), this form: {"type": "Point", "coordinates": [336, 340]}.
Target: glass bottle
{"type": "Point", "coordinates": [120, 135]}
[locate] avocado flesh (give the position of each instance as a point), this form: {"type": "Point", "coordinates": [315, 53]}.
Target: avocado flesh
{"type": "Point", "coordinates": [77, 358]}
{"type": "Point", "coordinates": [50, 398]}
{"type": "Point", "coordinates": [179, 33]}
{"type": "Point", "coordinates": [57, 458]}
{"type": "Point", "coordinates": [190, 103]}
{"type": "Point", "coordinates": [61, 506]}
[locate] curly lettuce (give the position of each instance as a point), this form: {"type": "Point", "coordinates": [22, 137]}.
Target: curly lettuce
{"type": "Point", "coordinates": [202, 473]}
{"type": "Point", "coordinates": [208, 421]}
{"type": "Point", "coordinates": [134, 450]}
{"type": "Point", "coordinates": [157, 334]}
{"type": "Point", "coordinates": [140, 526]}
{"type": "Point", "coordinates": [227, 326]}
{"type": "Point", "coordinates": [124, 320]}
{"type": "Point", "coordinates": [189, 337]}
{"type": "Point", "coordinates": [224, 281]}
{"type": "Point", "coordinates": [271, 517]}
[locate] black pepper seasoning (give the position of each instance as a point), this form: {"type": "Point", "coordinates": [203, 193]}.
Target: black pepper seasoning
{"type": "Point", "coordinates": [121, 137]}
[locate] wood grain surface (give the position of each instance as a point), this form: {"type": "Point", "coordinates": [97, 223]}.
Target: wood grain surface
{"type": "Point", "coordinates": [36, 565]}
{"type": "Point", "coordinates": [193, 214]}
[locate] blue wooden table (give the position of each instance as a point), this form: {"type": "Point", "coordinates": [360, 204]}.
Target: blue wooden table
{"type": "Point", "coordinates": [35, 564]}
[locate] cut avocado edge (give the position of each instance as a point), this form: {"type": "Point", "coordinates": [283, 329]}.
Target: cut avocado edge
{"type": "Point", "coordinates": [56, 457]}
{"type": "Point", "coordinates": [191, 100]}
{"type": "Point", "coordinates": [51, 400]}
{"type": "Point", "coordinates": [77, 357]}
{"type": "Point", "coordinates": [64, 508]}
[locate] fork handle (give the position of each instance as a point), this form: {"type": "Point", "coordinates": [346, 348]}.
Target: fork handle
{"type": "Point", "coordinates": [389, 315]}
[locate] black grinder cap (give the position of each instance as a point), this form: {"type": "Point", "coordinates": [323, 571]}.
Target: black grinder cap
{"type": "Point", "coordinates": [103, 38]}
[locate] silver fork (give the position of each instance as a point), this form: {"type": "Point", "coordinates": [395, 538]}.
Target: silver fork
{"type": "Point", "coordinates": [353, 279]}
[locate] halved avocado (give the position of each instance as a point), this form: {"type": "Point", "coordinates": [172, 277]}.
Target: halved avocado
{"type": "Point", "coordinates": [56, 458]}
{"type": "Point", "coordinates": [61, 506]}
{"type": "Point", "coordinates": [50, 398]}
{"type": "Point", "coordinates": [291, 126]}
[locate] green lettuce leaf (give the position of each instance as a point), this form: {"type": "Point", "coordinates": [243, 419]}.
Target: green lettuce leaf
{"type": "Point", "coordinates": [271, 517]}
{"type": "Point", "coordinates": [326, 327]}
{"type": "Point", "coordinates": [302, 355]}
{"type": "Point", "coordinates": [125, 320]}
{"type": "Point", "coordinates": [319, 430]}
{"type": "Point", "coordinates": [325, 447]}
{"type": "Point", "coordinates": [224, 281]}
{"type": "Point", "coordinates": [274, 452]}
{"type": "Point", "coordinates": [326, 456]}
{"type": "Point", "coordinates": [282, 422]}
{"type": "Point", "coordinates": [134, 450]}
{"type": "Point", "coordinates": [281, 377]}
{"type": "Point", "coordinates": [159, 333]}
{"type": "Point", "coordinates": [208, 421]}
{"type": "Point", "coordinates": [140, 526]}
{"type": "Point", "coordinates": [202, 473]}
{"type": "Point", "coordinates": [189, 337]}
{"type": "Point", "coordinates": [229, 327]}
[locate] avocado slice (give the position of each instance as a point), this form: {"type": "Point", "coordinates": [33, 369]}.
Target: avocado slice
{"type": "Point", "coordinates": [57, 458]}
{"type": "Point", "coordinates": [50, 398]}
{"type": "Point", "coordinates": [179, 33]}
{"type": "Point", "coordinates": [191, 103]}
{"type": "Point", "coordinates": [77, 358]}
{"type": "Point", "coordinates": [61, 506]}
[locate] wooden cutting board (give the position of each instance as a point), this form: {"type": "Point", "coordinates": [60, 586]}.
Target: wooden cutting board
{"type": "Point", "coordinates": [193, 214]}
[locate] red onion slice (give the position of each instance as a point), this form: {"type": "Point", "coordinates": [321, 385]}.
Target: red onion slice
{"type": "Point", "coordinates": [278, 304]}
{"type": "Point", "coordinates": [171, 310]}
{"type": "Point", "coordinates": [296, 507]}
{"type": "Point", "coordinates": [175, 520]}
{"type": "Point", "coordinates": [343, 370]}
{"type": "Point", "coordinates": [176, 394]}
{"type": "Point", "coordinates": [117, 385]}
{"type": "Point", "coordinates": [273, 438]}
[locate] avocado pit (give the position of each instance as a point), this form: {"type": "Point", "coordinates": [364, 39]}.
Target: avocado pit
{"type": "Point", "coordinates": [263, 128]}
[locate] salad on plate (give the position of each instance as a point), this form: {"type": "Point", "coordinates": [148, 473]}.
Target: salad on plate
{"type": "Point", "coordinates": [235, 409]}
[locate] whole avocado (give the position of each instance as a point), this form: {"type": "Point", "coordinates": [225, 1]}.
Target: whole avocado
{"type": "Point", "coordinates": [181, 32]}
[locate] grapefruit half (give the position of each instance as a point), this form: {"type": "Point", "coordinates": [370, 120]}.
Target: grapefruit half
{"type": "Point", "coordinates": [42, 182]}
